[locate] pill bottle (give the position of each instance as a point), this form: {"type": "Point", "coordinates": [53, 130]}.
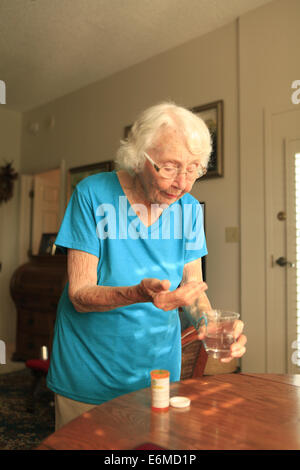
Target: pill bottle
{"type": "Point", "coordinates": [160, 390]}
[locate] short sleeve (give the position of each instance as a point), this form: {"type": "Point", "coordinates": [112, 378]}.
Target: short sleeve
{"type": "Point", "coordinates": [195, 243]}
{"type": "Point", "coordinates": [78, 228]}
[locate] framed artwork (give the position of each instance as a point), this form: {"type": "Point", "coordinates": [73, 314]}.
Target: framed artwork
{"type": "Point", "coordinates": [47, 246]}
{"type": "Point", "coordinates": [75, 175]}
{"type": "Point", "coordinates": [203, 259]}
{"type": "Point", "coordinates": [212, 115]}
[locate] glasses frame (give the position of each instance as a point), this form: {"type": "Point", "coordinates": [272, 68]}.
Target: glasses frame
{"type": "Point", "coordinates": [157, 168]}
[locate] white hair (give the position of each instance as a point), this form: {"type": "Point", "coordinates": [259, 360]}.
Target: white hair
{"type": "Point", "coordinates": [147, 128]}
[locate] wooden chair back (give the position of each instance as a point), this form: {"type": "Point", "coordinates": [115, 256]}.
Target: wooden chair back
{"type": "Point", "coordinates": [194, 356]}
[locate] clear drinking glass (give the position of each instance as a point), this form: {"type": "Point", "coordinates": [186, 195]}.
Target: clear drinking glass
{"type": "Point", "coordinates": [217, 326]}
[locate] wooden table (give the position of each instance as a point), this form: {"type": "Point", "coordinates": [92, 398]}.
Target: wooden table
{"type": "Point", "coordinates": [232, 411]}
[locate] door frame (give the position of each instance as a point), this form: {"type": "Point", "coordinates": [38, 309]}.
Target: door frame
{"type": "Point", "coordinates": [25, 209]}
{"type": "Point", "coordinates": [25, 215]}
{"type": "Point", "coordinates": [292, 146]}
{"type": "Point", "coordinates": [270, 351]}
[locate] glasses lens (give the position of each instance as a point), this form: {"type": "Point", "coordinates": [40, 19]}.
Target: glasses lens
{"type": "Point", "coordinates": [171, 172]}
{"type": "Point", "coordinates": [168, 172]}
{"type": "Point", "coordinates": [192, 174]}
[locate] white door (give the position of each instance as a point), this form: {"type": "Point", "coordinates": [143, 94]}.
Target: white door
{"type": "Point", "coordinates": [292, 165]}
{"type": "Point", "coordinates": [283, 294]}
{"type": "Point", "coordinates": [32, 222]}
{"type": "Point", "coordinates": [46, 206]}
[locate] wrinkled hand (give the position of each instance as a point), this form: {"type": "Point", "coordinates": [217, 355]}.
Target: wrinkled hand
{"type": "Point", "coordinates": [158, 292]}
{"type": "Point", "coordinates": [238, 347]}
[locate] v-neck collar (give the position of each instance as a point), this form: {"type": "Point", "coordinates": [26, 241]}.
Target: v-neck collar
{"type": "Point", "coordinates": [150, 228]}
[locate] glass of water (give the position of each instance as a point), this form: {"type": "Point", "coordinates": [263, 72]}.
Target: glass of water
{"type": "Point", "coordinates": [217, 326]}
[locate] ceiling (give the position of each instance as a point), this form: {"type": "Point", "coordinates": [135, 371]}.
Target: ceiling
{"type": "Point", "coordinates": [49, 48]}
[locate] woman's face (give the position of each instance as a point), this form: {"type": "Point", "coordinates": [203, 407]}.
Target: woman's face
{"type": "Point", "coordinates": [169, 149]}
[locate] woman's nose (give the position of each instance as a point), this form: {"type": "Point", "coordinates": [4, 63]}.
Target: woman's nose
{"type": "Point", "coordinates": [180, 180]}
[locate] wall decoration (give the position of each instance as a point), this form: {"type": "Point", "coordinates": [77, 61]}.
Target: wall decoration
{"type": "Point", "coordinates": [47, 246]}
{"type": "Point", "coordinates": [212, 114]}
{"type": "Point", "coordinates": [7, 177]}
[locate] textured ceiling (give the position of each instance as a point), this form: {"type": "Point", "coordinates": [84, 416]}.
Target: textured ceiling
{"type": "Point", "coordinates": [49, 48]}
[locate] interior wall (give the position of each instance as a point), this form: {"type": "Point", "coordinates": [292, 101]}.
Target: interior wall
{"type": "Point", "coordinates": [269, 39]}
{"type": "Point", "coordinates": [10, 138]}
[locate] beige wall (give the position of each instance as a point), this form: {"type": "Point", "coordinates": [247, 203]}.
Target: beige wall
{"type": "Point", "coordinates": [10, 138]}
{"type": "Point", "coordinates": [269, 62]}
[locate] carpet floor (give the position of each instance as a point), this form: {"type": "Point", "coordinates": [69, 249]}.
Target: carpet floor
{"type": "Point", "coordinates": [19, 429]}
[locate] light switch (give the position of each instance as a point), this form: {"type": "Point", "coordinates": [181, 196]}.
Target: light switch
{"type": "Point", "coordinates": [232, 235]}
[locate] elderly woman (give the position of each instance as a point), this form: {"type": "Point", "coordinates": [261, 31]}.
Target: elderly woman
{"type": "Point", "coordinates": [134, 240]}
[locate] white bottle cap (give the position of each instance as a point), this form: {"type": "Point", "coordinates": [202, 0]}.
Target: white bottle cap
{"type": "Point", "coordinates": [180, 402]}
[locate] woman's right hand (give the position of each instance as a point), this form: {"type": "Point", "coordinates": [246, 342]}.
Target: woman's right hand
{"type": "Point", "coordinates": [158, 292]}
{"type": "Point", "coordinates": [148, 288]}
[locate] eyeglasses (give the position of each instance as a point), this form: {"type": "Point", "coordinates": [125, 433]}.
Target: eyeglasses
{"type": "Point", "coordinates": [170, 172]}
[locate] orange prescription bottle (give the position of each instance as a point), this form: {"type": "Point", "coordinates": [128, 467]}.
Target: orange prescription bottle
{"type": "Point", "coordinates": [160, 389]}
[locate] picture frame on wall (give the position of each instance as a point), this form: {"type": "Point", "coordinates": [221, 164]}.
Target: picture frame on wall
{"type": "Point", "coordinates": [76, 174]}
{"type": "Point", "coordinates": [203, 259]}
{"type": "Point", "coordinates": [212, 115]}
{"type": "Point", "coordinates": [47, 246]}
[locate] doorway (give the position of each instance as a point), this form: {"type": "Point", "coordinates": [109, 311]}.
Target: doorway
{"type": "Point", "coordinates": [42, 206]}
{"type": "Point", "coordinates": [282, 176]}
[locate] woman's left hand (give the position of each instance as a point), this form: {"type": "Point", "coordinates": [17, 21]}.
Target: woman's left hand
{"type": "Point", "coordinates": [183, 296]}
{"type": "Point", "coordinates": [238, 348]}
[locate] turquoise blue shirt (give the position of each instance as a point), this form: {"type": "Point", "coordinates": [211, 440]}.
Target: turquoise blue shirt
{"type": "Point", "coordinates": [98, 356]}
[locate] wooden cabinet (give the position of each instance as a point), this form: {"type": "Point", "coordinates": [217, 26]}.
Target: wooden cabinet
{"type": "Point", "coordinates": [36, 287]}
